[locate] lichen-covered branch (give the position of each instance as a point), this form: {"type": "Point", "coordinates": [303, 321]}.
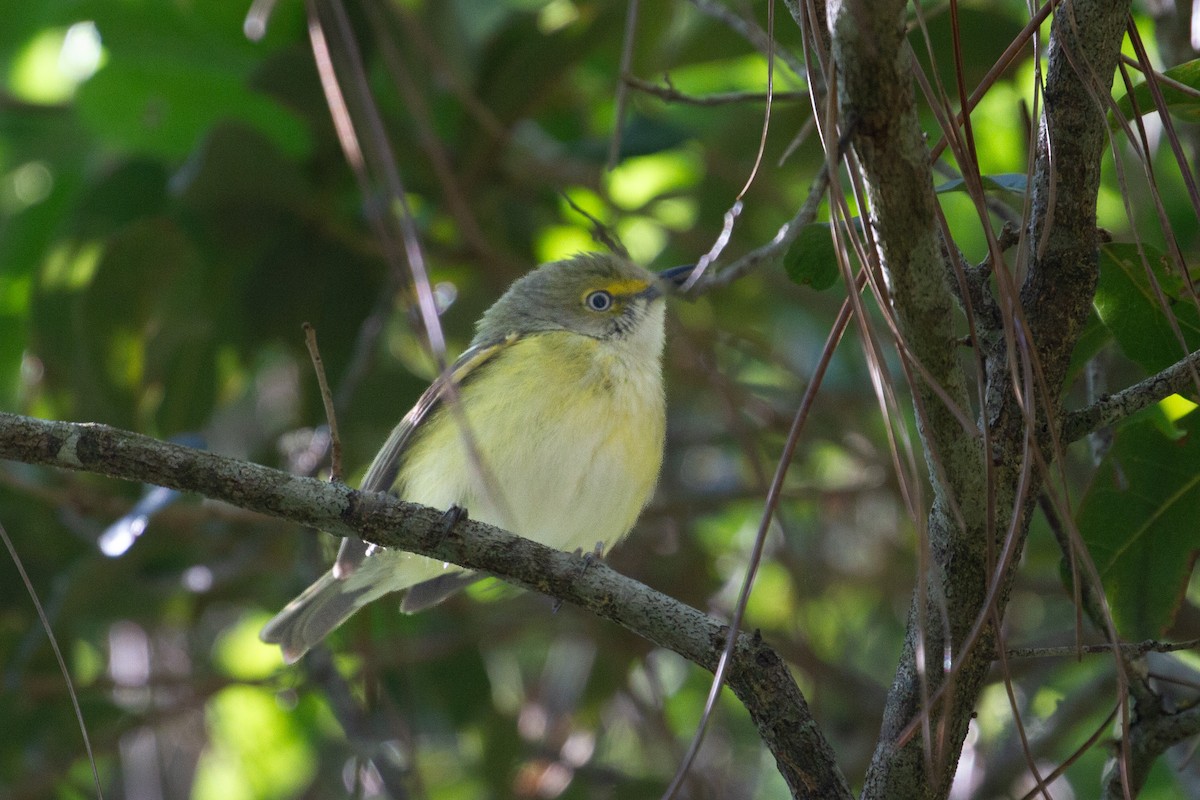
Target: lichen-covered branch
{"type": "Point", "coordinates": [877, 105]}
{"type": "Point", "coordinates": [982, 496]}
{"type": "Point", "coordinates": [1057, 294]}
{"type": "Point", "coordinates": [1115, 407]}
{"type": "Point", "coordinates": [878, 109]}
{"type": "Point", "coordinates": [1148, 738]}
{"type": "Point", "coordinates": [758, 675]}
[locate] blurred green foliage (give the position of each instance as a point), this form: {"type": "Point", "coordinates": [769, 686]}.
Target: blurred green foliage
{"type": "Point", "coordinates": [1139, 519]}
{"type": "Point", "coordinates": [174, 203]}
{"type": "Point", "coordinates": [1130, 299]}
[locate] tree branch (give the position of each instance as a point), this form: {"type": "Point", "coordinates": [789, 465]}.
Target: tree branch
{"type": "Point", "coordinates": [758, 675]}
{"type": "Point", "coordinates": [1128, 649]}
{"type": "Point", "coordinates": [1148, 739]}
{"type": "Point", "coordinates": [1057, 294]}
{"type": "Point", "coordinates": [982, 500]}
{"type": "Point", "coordinates": [1115, 407]}
{"type": "Point", "coordinates": [775, 248]}
{"type": "Point", "coordinates": [877, 100]}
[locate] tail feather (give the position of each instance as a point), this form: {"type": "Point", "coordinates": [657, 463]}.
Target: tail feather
{"type": "Point", "coordinates": [427, 594]}
{"type": "Point", "coordinates": [310, 617]}
{"type": "Point", "coordinates": [332, 600]}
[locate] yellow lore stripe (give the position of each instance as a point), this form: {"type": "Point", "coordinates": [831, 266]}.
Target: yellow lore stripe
{"type": "Point", "coordinates": [629, 287]}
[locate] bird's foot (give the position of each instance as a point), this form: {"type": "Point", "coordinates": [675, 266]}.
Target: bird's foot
{"type": "Point", "coordinates": [450, 519]}
{"type": "Point", "coordinates": [585, 561]}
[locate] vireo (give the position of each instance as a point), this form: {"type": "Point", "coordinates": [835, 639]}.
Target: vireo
{"type": "Point", "coordinates": [550, 425]}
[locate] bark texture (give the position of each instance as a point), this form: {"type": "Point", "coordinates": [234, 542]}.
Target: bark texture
{"type": "Point", "coordinates": [984, 479]}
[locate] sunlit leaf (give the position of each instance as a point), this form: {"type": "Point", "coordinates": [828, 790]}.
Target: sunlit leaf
{"type": "Point", "coordinates": [771, 603]}
{"type": "Point", "coordinates": [639, 180]}
{"type": "Point", "coordinates": [241, 654]}
{"type": "Point", "coordinates": [1180, 102]}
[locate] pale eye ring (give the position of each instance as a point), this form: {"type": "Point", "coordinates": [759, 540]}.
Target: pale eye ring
{"type": "Point", "coordinates": [599, 301]}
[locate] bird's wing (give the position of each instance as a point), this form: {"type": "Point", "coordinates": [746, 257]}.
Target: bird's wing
{"type": "Point", "coordinates": [384, 468]}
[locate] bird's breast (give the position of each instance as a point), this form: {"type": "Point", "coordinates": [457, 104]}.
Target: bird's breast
{"type": "Point", "coordinates": [559, 439]}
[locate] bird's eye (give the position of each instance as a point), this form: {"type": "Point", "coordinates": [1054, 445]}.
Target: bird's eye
{"type": "Point", "coordinates": [599, 301]}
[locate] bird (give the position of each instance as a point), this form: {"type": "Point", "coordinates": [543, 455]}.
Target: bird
{"type": "Point", "coordinates": [550, 425]}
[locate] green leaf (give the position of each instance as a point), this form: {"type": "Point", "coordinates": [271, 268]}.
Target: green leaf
{"type": "Point", "coordinates": [1129, 307]}
{"type": "Point", "coordinates": [811, 259]}
{"type": "Point", "coordinates": [1014, 182]}
{"type": "Point", "coordinates": [1140, 520]}
{"type": "Point", "coordinates": [163, 109]}
{"type": "Point", "coordinates": [1182, 104]}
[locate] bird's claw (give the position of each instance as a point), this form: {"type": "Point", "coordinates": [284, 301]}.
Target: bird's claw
{"type": "Point", "coordinates": [585, 561]}
{"type": "Point", "coordinates": [450, 519]}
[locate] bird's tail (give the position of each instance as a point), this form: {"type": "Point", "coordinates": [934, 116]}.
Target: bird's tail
{"type": "Point", "coordinates": [310, 617]}
{"type": "Point", "coordinates": [332, 599]}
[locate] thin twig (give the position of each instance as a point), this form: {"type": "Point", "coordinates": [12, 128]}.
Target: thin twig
{"type": "Point", "coordinates": [600, 232]}
{"type": "Point", "coordinates": [774, 493]}
{"type": "Point", "coordinates": [1161, 77]}
{"type": "Point", "coordinates": [1172, 137]}
{"type": "Point", "coordinates": [779, 245]}
{"type": "Point", "coordinates": [671, 94]}
{"type": "Point", "coordinates": [766, 123]}
{"type": "Point", "coordinates": [750, 31]}
{"type": "Point", "coordinates": [381, 150]}
{"type": "Point", "coordinates": [1002, 63]}
{"type": "Point", "coordinates": [735, 210]}
{"type": "Point", "coordinates": [254, 27]}
{"type": "Point", "coordinates": [435, 152]}
{"type": "Point", "coordinates": [621, 101]}
{"type": "Point", "coordinates": [1079, 751]}
{"type": "Point", "coordinates": [62, 664]}
{"type": "Point", "coordinates": [1128, 649]}
{"type": "Point", "coordinates": [335, 441]}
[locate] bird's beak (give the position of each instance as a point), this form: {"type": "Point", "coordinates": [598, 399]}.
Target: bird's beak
{"type": "Point", "coordinates": [669, 280]}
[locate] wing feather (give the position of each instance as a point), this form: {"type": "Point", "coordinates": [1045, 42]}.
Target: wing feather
{"type": "Point", "coordinates": [386, 465]}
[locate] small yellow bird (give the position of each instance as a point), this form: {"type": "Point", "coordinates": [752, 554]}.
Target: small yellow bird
{"type": "Point", "coordinates": [550, 425]}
